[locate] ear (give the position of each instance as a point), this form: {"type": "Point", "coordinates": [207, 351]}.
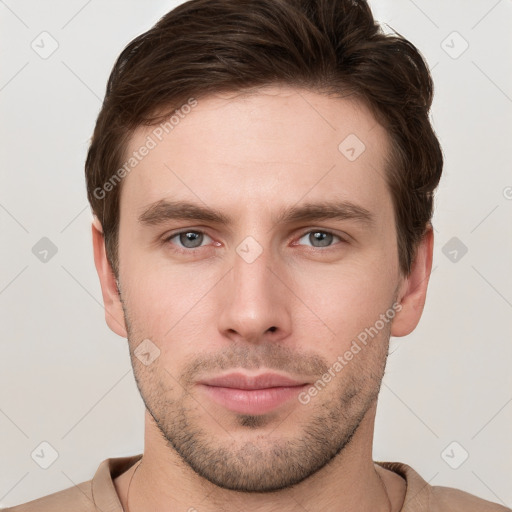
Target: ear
{"type": "Point", "coordinates": [114, 314]}
{"type": "Point", "coordinates": [413, 289]}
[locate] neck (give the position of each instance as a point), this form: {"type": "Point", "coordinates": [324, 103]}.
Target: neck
{"type": "Point", "coordinates": [164, 482]}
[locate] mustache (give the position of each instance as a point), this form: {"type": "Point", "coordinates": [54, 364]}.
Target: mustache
{"type": "Point", "coordinates": [270, 356]}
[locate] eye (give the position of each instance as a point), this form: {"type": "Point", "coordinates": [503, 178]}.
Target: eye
{"type": "Point", "coordinates": [188, 239]}
{"type": "Point", "coordinates": [319, 238]}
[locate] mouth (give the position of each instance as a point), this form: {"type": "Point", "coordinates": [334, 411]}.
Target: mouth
{"type": "Point", "coordinates": [255, 395]}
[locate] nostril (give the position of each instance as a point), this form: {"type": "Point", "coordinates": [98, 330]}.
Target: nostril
{"type": "Point", "coordinates": [272, 329]}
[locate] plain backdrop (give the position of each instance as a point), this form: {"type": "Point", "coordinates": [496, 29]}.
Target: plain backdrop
{"type": "Point", "coordinates": [66, 379]}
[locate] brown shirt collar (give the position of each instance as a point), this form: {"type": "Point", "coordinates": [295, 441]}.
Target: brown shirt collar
{"type": "Point", "coordinates": [420, 496]}
{"type": "Point", "coordinates": [105, 497]}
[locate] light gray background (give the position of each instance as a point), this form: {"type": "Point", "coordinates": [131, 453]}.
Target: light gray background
{"type": "Point", "coordinates": [67, 380]}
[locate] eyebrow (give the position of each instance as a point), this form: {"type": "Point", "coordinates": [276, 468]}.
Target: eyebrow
{"type": "Point", "coordinates": [164, 210]}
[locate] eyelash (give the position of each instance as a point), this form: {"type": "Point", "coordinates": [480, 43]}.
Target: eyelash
{"type": "Point", "coordinates": [168, 239]}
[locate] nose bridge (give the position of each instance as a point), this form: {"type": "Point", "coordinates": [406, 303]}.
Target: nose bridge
{"type": "Point", "coordinates": [250, 268]}
{"type": "Point", "coordinates": [255, 299]}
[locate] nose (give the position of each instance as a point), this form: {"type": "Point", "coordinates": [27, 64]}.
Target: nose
{"type": "Point", "coordinates": [256, 301]}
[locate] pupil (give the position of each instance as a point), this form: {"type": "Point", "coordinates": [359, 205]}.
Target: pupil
{"type": "Point", "coordinates": [322, 238]}
{"type": "Point", "coordinates": [190, 239]}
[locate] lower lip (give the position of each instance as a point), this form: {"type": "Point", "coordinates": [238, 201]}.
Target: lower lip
{"type": "Point", "coordinates": [252, 401]}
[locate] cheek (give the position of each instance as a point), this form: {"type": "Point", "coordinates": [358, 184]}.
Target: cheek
{"type": "Point", "coordinates": [167, 303]}
{"type": "Point", "coordinates": [346, 299]}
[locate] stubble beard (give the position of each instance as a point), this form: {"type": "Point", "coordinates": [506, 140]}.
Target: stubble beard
{"type": "Point", "coordinates": [246, 461]}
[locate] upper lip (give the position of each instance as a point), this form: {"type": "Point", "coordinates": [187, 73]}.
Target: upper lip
{"type": "Point", "coordinates": [261, 381]}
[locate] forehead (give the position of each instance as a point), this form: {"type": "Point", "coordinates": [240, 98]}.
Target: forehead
{"type": "Point", "coordinates": [273, 146]}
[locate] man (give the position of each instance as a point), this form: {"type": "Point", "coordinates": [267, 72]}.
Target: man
{"type": "Point", "coordinates": [262, 175]}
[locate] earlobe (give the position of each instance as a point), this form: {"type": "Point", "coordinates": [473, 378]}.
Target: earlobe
{"type": "Point", "coordinates": [413, 290]}
{"type": "Point", "coordinates": [114, 314]}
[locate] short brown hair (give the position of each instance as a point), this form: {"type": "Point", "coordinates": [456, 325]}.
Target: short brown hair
{"type": "Point", "coordinates": [332, 47]}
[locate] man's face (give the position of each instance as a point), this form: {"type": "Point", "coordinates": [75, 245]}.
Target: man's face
{"type": "Point", "coordinates": [255, 293]}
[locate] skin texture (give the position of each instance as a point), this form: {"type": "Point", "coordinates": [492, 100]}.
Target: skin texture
{"type": "Point", "coordinates": [293, 310]}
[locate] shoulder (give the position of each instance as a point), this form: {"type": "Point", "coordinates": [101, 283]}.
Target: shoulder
{"type": "Point", "coordinates": [77, 498]}
{"type": "Point", "coordinates": [455, 500]}
{"type": "Point", "coordinates": [99, 493]}
{"type": "Point", "coordinates": [421, 496]}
